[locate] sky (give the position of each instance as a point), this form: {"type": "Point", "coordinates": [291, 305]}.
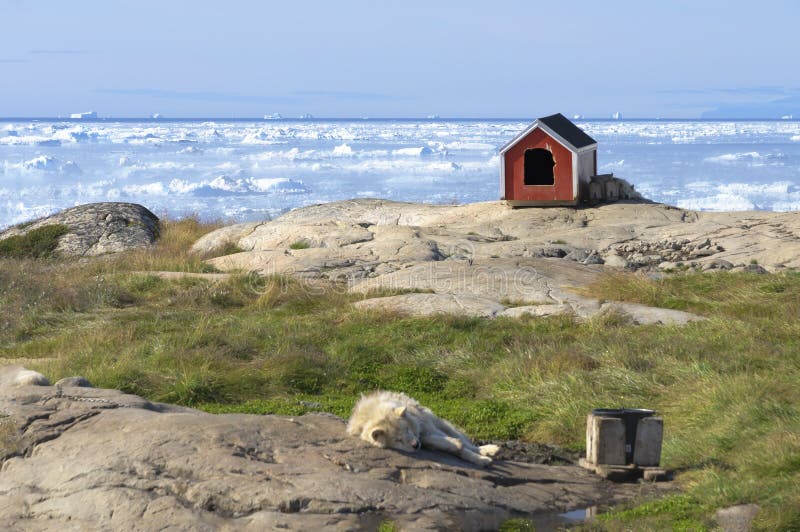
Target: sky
{"type": "Point", "coordinates": [352, 58]}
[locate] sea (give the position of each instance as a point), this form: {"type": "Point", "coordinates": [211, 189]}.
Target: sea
{"type": "Point", "coordinates": [255, 169]}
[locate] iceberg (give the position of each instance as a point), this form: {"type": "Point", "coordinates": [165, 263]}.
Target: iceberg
{"type": "Point", "coordinates": [149, 189]}
{"type": "Point", "coordinates": [412, 152]}
{"type": "Point", "coordinates": [307, 116]}
{"type": "Point", "coordinates": [45, 163]}
{"type": "Point", "coordinates": [223, 185]}
{"type": "Point", "coordinates": [87, 114]}
{"type": "Point", "coordinates": [274, 116]}
{"type": "Point", "coordinates": [343, 150]}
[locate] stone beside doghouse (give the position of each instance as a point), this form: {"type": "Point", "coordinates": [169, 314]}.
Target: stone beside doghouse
{"type": "Point", "coordinates": [605, 188]}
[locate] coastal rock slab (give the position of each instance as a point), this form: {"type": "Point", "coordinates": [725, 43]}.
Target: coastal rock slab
{"type": "Point", "coordinates": [78, 458]}
{"type": "Point", "coordinates": [97, 229]}
{"type": "Point", "coordinates": [644, 315]}
{"type": "Point", "coordinates": [486, 280]}
{"type": "Point", "coordinates": [650, 233]}
{"type": "Point", "coordinates": [514, 257]}
{"type": "Point", "coordinates": [223, 237]}
{"type": "Point", "coordinates": [536, 310]}
{"type": "Point", "coordinates": [430, 304]}
{"type": "Point", "coordinates": [737, 518]}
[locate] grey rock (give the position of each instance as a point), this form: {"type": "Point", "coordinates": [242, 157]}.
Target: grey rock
{"type": "Point", "coordinates": [489, 250]}
{"type": "Point", "coordinates": [607, 188]}
{"type": "Point", "coordinates": [718, 264]}
{"type": "Point", "coordinates": [594, 258]}
{"type": "Point", "coordinates": [430, 304]}
{"type": "Point", "coordinates": [644, 315]}
{"type": "Point", "coordinates": [75, 382]}
{"type": "Point", "coordinates": [373, 233]}
{"type": "Point", "coordinates": [98, 229]}
{"type": "Point", "coordinates": [737, 518]}
{"type": "Point", "coordinates": [552, 251]}
{"type": "Point", "coordinates": [495, 280]}
{"type": "Point", "coordinates": [578, 255]}
{"type": "Point", "coordinates": [536, 310]}
{"type": "Point", "coordinates": [615, 261]}
{"type": "Point", "coordinates": [702, 252]}
{"type": "Point", "coordinates": [105, 460]}
{"type": "Point", "coordinates": [754, 268]}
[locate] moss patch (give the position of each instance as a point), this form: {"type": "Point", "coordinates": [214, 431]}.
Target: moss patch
{"type": "Point", "coordinates": [35, 244]}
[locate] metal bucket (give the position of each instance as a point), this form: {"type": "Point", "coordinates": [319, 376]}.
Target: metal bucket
{"type": "Point", "coordinates": [629, 416]}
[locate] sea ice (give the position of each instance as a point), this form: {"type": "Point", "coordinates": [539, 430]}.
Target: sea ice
{"type": "Point", "coordinates": [87, 114]}
{"type": "Point", "coordinates": [273, 166]}
{"type": "Point", "coordinates": [412, 152]}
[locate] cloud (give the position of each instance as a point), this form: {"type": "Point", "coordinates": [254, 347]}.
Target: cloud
{"type": "Point", "coordinates": [348, 95]}
{"type": "Point", "coordinates": [789, 105]}
{"type": "Point", "coordinates": [208, 96]}
{"type": "Point", "coordinates": [296, 97]}
{"type": "Point", "coordinates": [738, 102]}
{"type": "Point", "coordinates": [765, 91]}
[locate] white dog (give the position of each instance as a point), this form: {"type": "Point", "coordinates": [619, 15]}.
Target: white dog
{"type": "Point", "coordinates": [19, 376]}
{"type": "Point", "coordinates": [395, 420]}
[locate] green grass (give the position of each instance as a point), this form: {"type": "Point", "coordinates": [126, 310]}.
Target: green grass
{"type": "Point", "coordinates": [300, 244]}
{"type": "Point", "coordinates": [727, 386]}
{"type": "Point", "coordinates": [517, 525]}
{"type": "Point", "coordinates": [35, 244]}
{"type": "Point", "coordinates": [172, 250]}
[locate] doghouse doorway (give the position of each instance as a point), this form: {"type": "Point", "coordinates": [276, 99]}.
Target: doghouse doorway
{"type": "Point", "coordinates": [539, 165]}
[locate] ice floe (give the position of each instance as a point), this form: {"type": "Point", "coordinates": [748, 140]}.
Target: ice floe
{"type": "Point", "coordinates": [263, 167]}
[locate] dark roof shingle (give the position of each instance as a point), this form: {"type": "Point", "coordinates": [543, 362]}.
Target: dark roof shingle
{"type": "Point", "coordinates": [567, 130]}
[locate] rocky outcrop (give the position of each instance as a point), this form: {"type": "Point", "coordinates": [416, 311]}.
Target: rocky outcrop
{"type": "Point", "coordinates": [509, 257]}
{"type": "Point", "coordinates": [79, 458]}
{"type": "Point", "coordinates": [97, 229]}
{"type": "Point", "coordinates": [369, 238]}
{"type": "Point", "coordinates": [429, 304]}
{"type": "Point", "coordinates": [647, 254]}
{"type": "Point", "coordinates": [607, 188]}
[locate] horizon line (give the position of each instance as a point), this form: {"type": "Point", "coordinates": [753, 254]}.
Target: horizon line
{"type": "Point", "coordinates": [790, 118]}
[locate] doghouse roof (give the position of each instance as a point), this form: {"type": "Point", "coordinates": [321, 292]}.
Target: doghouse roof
{"type": "Point", "coordinates": [559, 127]}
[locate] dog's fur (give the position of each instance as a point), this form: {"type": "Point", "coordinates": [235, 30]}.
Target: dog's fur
{"type": "Point", "coordinates": [395, 420]}
{"type": "Point", "coordinates": [19, 376]}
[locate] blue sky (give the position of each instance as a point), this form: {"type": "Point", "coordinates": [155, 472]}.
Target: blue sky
{"type": "Point", "coordinates": [407, 59]}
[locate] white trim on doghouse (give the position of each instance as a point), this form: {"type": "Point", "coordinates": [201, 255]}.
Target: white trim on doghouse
{"type": "Point", "coordinates": [544, 127]}
{"type": "Point", "coordinates": [575, 175]}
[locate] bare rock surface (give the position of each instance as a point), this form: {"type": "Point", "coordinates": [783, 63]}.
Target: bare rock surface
{"type": "Point", "coordinates": [515, 257]}
{"type": "Point", "coordinates": [428, 304]}
{"type": "Point", "coordinates": [79, 458]}
{"type": "Point", "coordinates": [97, 229]}
{"type": "Point", "coordinates": [737, 518]}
